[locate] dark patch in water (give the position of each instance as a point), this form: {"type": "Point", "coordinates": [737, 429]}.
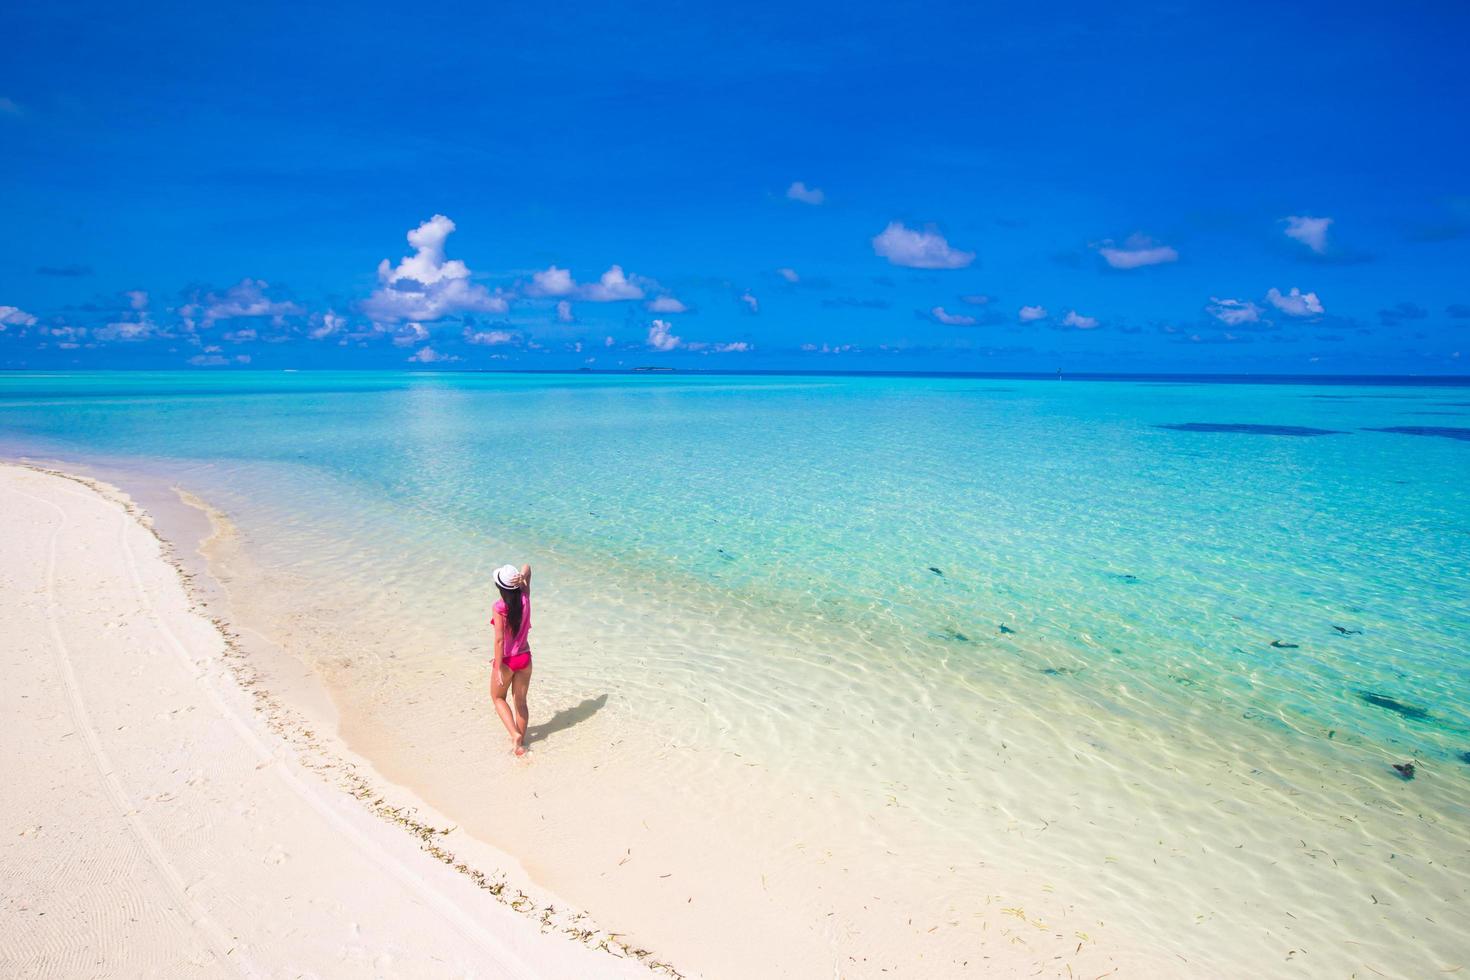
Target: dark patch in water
{"type": "Point", "coordinates": [1443, 431]}
{"type": "Point", "coordinates": [955, 635]}
{"type": "Point", "coordinates": [1057, 671]}
{"type": "Point", "coordinates": [1284, 646]}
{"type": "Point", "coordinates": [1250, 430]}
{"type": "Point", "coordinates": [936, 571]}
{"type": "Point", "coordinates": [1465, 758]}
{"type": "Point", "coordinates": [725, 554]}
{"type": "Point", "coordinates": [1405, 770]}
{"type": "Point", "coordinates": [1006, 629]}
{"type": "Point", "coordinates": [1347, 632]}
{"type": "Point", "coordinates": [1392, 704]}
{"type": "Point", "coordinates": [1124, 577]}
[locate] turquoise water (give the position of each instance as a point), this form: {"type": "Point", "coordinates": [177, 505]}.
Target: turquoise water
{"type": "Point", "coordinates": [1258, 571]}
{"type": "Point", "coordinates": [1065, 512]}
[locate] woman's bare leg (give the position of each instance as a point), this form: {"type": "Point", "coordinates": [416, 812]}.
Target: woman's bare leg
{"type": "Point", "coordinates": [520, 684]}
{"type": "Point", "coordinates": [500, 682]}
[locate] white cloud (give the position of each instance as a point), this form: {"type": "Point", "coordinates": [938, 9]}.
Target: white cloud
{"type": "Point", "coordinates": [328, 324]}
{"type": "Point", "coordinates": [659, 336]}
{"type": "Point", "coordinates": [952, 319]}
{"type": "Point", "coordinates": [1075, 319]}
{"type": "Point", "coordinates": [1233, 312]}
{"type": "Point", "coordinates": [1135, 253]}
{"type": "Point", "coordinates": [137, 329]}
{"type": "Point", "coordinates": [242, 358]}
{"type": "Point", "coordinates": [425, 286]}
{"type": "Point", "coordinates": [551, 281]}
{"type": "Point", "coordinates": [737, 347]}
{"type": "Point", "coordinates": [428, 355]}
{"type": "Point", "coordinates": [68, 335]}
{"type": "Point", "coordinates": [240, 336]}
{"type": "Point", "coordinates": [666, 304]}
{"type": "Point", "coordinates": [14, 316]}
{"type": "Point", "coordinates": [751, 303]}
{"type": "Point", "coordinates": [208, 360]}
{"type": "Point", "coordinates": [975, 299]}
{"type": "Point", "coordinates": [247, 298]}
{"type": "Point", "coordinates": [798, 191]}
{"type": "Point", "coordinates": [789, 275]}
{"type": "Point", "coordinates": [607, 341]}
{"type": "Point", "coordinates": [826, 349]}
{"type": "Point", "coordinates": [1311, 232]}
{"type": "Point", "coordinates": [612, 287]}
{"type": "Point", "coordinates": [409, 334]}
{"type": "Point", "coordinates": [137, 299]}
{"type": "Point", "coordinates": [564, 312]}
{"type": "Point", "coordinates": [1029, 313]}
{"type": "Point", "coordinates": [1295, 303]}
{"type": "Point", "coordinates": [488, 338]}
{"type": "Point", "coordinates": [918, 249]}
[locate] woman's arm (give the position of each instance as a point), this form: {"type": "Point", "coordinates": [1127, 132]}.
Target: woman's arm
{"type": "Point", "coordinates": [498, 645]}
{"type": "Point", "coordinates": [526, 578]}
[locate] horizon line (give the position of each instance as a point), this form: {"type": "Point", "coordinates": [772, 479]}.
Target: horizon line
{"type": "Point", "coordinates": [1452, 380]}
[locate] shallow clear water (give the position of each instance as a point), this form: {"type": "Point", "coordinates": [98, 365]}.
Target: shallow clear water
{"type": "Point", "coordinates": [1127, 576]}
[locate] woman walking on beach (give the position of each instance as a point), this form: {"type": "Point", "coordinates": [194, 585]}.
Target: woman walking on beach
{"type": "Point", "coordinates": [511, 669]}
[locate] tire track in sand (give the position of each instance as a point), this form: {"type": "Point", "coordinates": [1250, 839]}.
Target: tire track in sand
{"type": "Point", "coordinates": [215, 937]}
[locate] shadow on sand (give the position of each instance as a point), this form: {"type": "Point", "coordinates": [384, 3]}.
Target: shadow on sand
{"type": "Point", "coordinates": [566, 718]}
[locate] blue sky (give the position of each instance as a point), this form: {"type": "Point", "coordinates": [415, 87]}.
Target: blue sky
{"type": "Point", "coordinates": [1122, 187]}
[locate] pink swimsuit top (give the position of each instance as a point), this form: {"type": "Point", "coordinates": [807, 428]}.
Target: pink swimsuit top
{"type": "Point", "coordinates": [516, 645]}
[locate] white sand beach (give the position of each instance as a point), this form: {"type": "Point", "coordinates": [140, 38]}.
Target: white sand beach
{"type": "Point", "coordinates": [184, 800]}
{"type": "Point", "coordinates": [161, 819]}
{"type": "Point", "coordinates": [214, 766]}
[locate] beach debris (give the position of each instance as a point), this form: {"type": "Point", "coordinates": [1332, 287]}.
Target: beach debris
{"type": "Point", "coordinates": [1281, 645]}
{"type": "Point", "coordinates": [1405, 770]}
{"type": "Point", "coordinates": [1393, 704]}
{"type": "Point", "coordinates": [1347, 632]}
{"type": "Point", "coordinates": [1005, 630]}
{"type": "Point", "coordinates": [936, 571]}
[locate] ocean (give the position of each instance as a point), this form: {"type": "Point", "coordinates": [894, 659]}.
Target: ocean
{"type": "Point", "coordinates": [1145, 652]}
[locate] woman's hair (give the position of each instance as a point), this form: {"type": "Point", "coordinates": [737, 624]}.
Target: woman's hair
{"type": "Point", "coordinates": [513, 610]}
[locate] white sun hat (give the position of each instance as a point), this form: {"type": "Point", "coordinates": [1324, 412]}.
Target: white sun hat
{"type": "Point", "coordinates": [508, 577]}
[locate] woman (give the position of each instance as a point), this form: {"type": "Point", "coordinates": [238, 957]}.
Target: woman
{"type": "Point", "coordinates": [511, 670]}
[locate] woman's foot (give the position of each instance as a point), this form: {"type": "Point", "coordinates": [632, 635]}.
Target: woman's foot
{"type": "Point", "coordinates": [520, 749]}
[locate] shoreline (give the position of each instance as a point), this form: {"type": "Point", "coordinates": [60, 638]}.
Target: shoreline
{"type": "Point", "coordinates": [481, 895]}
{"type": "Point", "coordinates": [652, 834]}
{"type": "Point", "coordinates": [621, 810]}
